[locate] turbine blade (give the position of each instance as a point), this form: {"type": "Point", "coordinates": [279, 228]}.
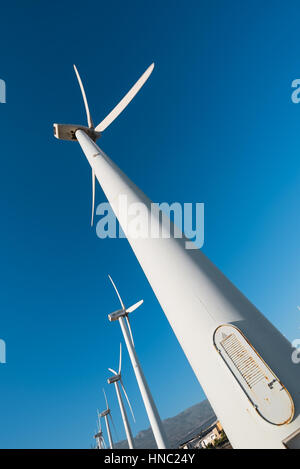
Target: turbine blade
{"type": "Point", "coordinates": [113, 424]}
{"type": "Point", "coordinates": [98, 427]}
{"type": "Point", "coordinates": [120, 299]}
{"type": "Point", "coordinates": [125, 101]}
{"type": "Point", "coordinates": [113, 371]}
{"type": "Point", "coordinates": [129, 328]}
{"type": "Point", "coordinates": [93, 196]}
{"type": "Point", "coordinates": [88, 114]}
{"type": "Point", "coordinates": [99, 421]}
{"type": "Point", "coordinates": [120, 361]}
{"type": "Point", "coordinates": [103, 442]}
{"type": "Point", "coordinates": [106, 400]}
{"type": "Point", "coordinates": [134, 307]}
{"type": "Point", "coordinates": [127, 398]}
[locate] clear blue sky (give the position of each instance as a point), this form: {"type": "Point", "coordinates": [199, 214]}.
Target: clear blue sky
{"type": "Point", "coordinates": [214, 124]}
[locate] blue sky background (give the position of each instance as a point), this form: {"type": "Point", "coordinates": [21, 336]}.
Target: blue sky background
{"type": "Point", "coordinates": [214, 124]}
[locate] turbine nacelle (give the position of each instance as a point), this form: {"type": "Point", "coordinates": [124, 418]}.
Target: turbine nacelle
{"type": "Point", "coordinates": [105, 412]}
{"type": "Point", "coordinates": [114, 379]}
{"type": "Point", "coordinates": [67, 131]}
{"type": "Point", "coordinates": [117, 315]}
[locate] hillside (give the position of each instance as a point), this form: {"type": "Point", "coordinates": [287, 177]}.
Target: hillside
{"type": "Point", "coordinates": [177, 428]}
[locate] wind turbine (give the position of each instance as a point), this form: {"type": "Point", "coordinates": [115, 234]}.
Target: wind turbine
{"type": "Point", "coordinates": [209, 315]}
{"type": "Point", "coordinates": [117, 379]}
{"type": "Point", "coordinates": [99, 435]}
{"type": "Point", "coordinates": [121, 315]}
{"type": "Point", "coordinates": [105, 415]}
{"type": "Point", "coordinates": [69, 131]}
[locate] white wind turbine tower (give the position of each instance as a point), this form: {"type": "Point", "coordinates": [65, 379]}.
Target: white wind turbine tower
{"type": "Point", "coordinates": [105, 414]}
{"type": "Point", "coordinates": [121, 315]}
{"type": "Point", "coordinates": [116, 379]}
{"type": "Point", "coordinates": [213, 321]}
{"type": "Point", "coordinates": [99, 435]}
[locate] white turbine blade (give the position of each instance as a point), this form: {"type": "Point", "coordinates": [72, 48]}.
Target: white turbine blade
{"type": "Point", "coordinates": [127, 398]}
{"type": "Point", "coordinates": [103, 442]}
{"type": "Point", "coordinates": [88, 114]}
{"type": "Point", "coordinates": [93, 196]}
{"type": "Point", "coordinates": [120, 361]}
{"type": "Point", "coordinates": [99, 421]}
{"type": "Point", "coordinates": [125, 101]}
{"type": "Point", "coordinates": [129, 328]}
{"type": "Point", "coordinates": [107, 408]}
{"type": "Point", "coordinates": [113, 424]}
{"type": "Point", "coordinates": [113, 371]}
{"type": "Point", "coordinates": [134, 307]}
{"type": "Point", "coordinates": [98, 426]}
{"type": "Point", "coordinates": [120, 299]}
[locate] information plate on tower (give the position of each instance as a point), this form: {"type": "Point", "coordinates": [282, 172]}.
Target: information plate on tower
{"type": "Point", "coordinates": [263, 388]}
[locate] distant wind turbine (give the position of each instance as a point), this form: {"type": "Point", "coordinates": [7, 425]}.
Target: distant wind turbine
{"type": "Point", "coordinates": [99, 435]}
{"type": "Point", "coordinates": [105, 415]}
{"type": "Point", "coordinates": [122, 316]}
{"type": "Point", "coordinates": [116, 379]}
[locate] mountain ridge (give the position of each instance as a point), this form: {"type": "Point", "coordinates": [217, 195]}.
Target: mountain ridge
{"type": "Point", "coordinates": [179, 428]}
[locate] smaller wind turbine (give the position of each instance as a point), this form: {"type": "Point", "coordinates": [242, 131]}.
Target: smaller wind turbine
{"type": "Point", "coordinates": [117, 379]}
{"type": "Point", "coordinates": [99, 435]}
{"type": "Point", "coordinates": [122, 316]}
{"type": "Point", "coordinates": [105, 415]}
{"type": "Point", "coordinates": [124, 312]}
